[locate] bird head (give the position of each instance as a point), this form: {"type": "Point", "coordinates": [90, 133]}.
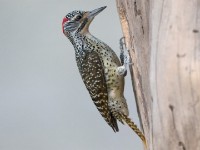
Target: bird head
{"type": "Point", "coordinates": [79, 21]}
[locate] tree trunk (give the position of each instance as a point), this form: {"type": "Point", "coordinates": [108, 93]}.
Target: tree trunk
{"type": "Point", "coordinates": [164, 42]}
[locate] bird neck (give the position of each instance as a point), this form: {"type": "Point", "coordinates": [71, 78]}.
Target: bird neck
{"type": "Point", "coordinates": [78, 39]}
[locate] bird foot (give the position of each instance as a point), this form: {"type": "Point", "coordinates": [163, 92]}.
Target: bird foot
{"type": "Point", "coordinates": [124, 57]}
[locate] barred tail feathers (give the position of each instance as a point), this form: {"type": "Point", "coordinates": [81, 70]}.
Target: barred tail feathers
{"type": "Point", "coordinates": [134, 128]}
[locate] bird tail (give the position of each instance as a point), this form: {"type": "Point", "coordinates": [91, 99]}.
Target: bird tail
{"type": "Point", "coordinates": [113, 124]}
{"type": "Point", "coordinates": [134, 127]}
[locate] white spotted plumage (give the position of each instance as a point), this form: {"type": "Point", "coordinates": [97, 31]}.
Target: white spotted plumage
{"type": "Point", "coordinates": [98, 65]}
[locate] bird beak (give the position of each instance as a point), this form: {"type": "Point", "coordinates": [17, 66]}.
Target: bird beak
{"type": "Point", "coordinates": [95, 12]}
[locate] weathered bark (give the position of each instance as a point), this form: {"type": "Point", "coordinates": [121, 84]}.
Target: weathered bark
{"type": "Point", "coordinates": [164, 42]}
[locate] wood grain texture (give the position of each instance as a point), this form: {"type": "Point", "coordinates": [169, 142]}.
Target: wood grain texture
{"type": "Point", "coordinates": [164, 42]}
{"type": "Point", "coordinates": [134, 21]}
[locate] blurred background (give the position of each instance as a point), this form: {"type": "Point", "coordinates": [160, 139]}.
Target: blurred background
{"type": "Point", "coordinates": [44, 104]}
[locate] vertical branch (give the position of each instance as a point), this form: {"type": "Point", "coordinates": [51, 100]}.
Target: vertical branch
{"type": "Point", "coordinates": [134, 23]}
{"type": "Point", "coordinates": [175, 74]}
{"type": "Point", "coordinates": [164, 42]}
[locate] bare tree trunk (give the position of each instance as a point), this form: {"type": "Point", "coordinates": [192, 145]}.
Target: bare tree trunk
{"type": "Point", "coordinates": [164, 42]}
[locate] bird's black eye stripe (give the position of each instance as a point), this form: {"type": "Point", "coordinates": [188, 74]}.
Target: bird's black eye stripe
{"type": "Point", "coordinates": [78, 17]}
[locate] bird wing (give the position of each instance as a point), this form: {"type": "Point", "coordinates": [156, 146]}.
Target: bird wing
{"type": "Point", "coordinates": [92, 72]}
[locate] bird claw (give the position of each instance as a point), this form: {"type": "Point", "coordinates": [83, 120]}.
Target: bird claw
{"type": "Point", "coordinates": [124, 57]}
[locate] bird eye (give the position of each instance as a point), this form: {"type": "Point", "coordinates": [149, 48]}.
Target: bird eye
{"type": "Point", "coordinates": [78, 17]}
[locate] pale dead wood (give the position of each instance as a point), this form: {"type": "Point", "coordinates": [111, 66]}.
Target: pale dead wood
{"type": "Point", "coordinates": [164, 42]}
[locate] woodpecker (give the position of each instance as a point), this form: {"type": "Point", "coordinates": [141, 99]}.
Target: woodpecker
{"type": "Point", "coordinates": [100, 68]}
